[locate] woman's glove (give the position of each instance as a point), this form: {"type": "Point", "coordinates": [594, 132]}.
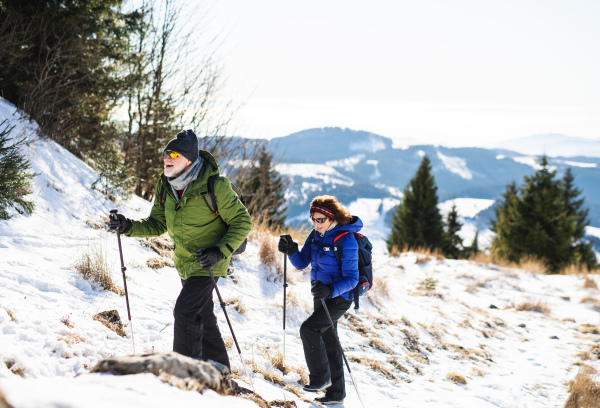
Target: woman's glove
{"type": "Point", "coordinates": [321, 290]}
{"type": "Point", "coordinates": [287, 245]}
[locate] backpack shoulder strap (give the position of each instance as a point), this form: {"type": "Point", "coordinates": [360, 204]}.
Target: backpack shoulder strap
{"type": "Point", "coordinates": [210, 199]}
{"type": "Point", "coordinates": [337, 244]}
{"type": "Point", "coordinates": [163, 195]}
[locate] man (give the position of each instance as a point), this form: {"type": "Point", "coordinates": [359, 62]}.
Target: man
{"type": "Point", "coordinates": [184, 214]}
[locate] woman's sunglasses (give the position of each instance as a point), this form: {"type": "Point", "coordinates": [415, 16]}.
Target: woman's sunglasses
{"type": "Point", "coordinates": [171, 154]}
{"type": "Point", "coordinates": [318, 220]}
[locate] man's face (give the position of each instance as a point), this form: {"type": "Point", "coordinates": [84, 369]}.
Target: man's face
{"type": "Point", "coordinates": [174, 166]}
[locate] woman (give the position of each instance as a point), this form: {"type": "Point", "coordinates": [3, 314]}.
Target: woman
{"type": "Point", "coordinates": [332, 283]}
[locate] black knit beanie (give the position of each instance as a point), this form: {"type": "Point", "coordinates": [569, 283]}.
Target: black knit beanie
{"type": "Point", "coordinates": [186, 143]}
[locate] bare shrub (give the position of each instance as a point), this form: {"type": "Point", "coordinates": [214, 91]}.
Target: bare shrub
{"type": "Point", "coordinates": [160, 262]}
{"type": "Point", "coordinates": [584, 391]}
{"type": "Point", "coordinates": [375, 365]}
{"type": "Point", "coordinates": [93, 266]}
{"type": "Point", "coordinates": [456, 378]}
{"type": "Point", "coordinates": [237, 304]}
{"type": "Point", "coordinates": [538, 306]}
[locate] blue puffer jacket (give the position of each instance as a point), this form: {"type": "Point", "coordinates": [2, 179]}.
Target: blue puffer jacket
{"type": "Point", "coordinates": [325, 266]}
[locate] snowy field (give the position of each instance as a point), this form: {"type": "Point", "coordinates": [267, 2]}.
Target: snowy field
{"type": "Point", "coordinates": [433, 333]}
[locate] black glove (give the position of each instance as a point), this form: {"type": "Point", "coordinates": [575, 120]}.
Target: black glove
{"type": "Point", "coordinates": [118, 222]}
{"type": "Point", "coordinates": [208, 257]}
{"type": "Point", "coordinates": [287, 245]}
{"type": "Point", "coordinates": [321, 290]}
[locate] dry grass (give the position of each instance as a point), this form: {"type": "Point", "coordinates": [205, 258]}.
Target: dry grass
{"type": "Point", "coordinates": [428, 284]}
{"type": "Point", "coordinates": [228, 340]}
{"type": "Point", "coordinates": [294, 390]}
{"type": "Point", "coordinates": [268, 375]}
{"type": "Point", "coordinates": [477, 372]}
{"type": "Point", "coordinates": [589, 283]}
{"type": "Point", "coordinates": [530, 264]}
{"type": "Point", "coordinates": [584, 391]}
{"type": "Point", "coordinates": [381, 346]}
{"type": "Point", "coordinates": [374, 365]}
{"type": "Point", "coordinates": [579, 269]}
{"type": "Point", "coordinates": [66, 321]}
{"type": "Point", "coordinates": [97, 225]}
{"type": "Point", "coordinates": [593, 302]}
{"type": "Point", "coordinates": [10, 314]}
{"type": "Point", "coordinates": [588, 328]}
{"type": "Point", "coordinates": [111, 320]}
{"type": "Point", "coordinates": [418, 357]}
{"type": "Point", "coordinates": [162, 245]}
{"type": "Point", "coordinates": [539, 306]}
{"type": "Point", "coordinates": [72, 339]}
{"type": "Point", "coordinates": [397, 365]}
{"type": "Point", "coordinates": [93, 266]}
{"type": "Point", "coordinates": [269, 256]}
{"type": "Point", "coordinates": [357, 326]}
{"type": "Point", "coordinates": [412, 340]}
{"type": "Point", "coordinates": [456, 378]}
{"type": "Point", "coordinates": [237, 304]}
{"type": "Point", "coordinates": [275, 358]}
{"type": "Point", "coordinates": [423, 254]}
{"type": "Point", "coordinates": [160, 262]}
{"type": "Point", "coordinates": [15, 368]}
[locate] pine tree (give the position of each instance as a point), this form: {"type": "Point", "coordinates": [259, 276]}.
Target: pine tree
{"type": "Point", "coordinates": [543, 220]}
{"type": "Point", "coordinates": [581, 252]}
{"type": "Point", "coordinates": [264, 189]}
{"type": "Point", "coordinates": [474, 248]}
{"type": "Point", "coordinates": [417, 222]}
{"type": "Point", "coordinates": [454, 245]}
{"type": "Point", "coordinates": [15, 177]}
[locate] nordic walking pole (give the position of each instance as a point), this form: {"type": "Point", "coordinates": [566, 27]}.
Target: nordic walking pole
{"type": "Point", "coordinates": [198, 252]}
{"type": "Point", "coordinates": [123, 269]}
{"type": "Point", "coordinates": [284, 299]}
{"type": "Point", "coordinates": [341, 350]}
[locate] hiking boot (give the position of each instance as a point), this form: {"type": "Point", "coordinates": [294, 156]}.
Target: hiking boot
{"type": "Point", "coordinates": [329, 401]}
{"type": "Point", "coordinates": [316, 387]}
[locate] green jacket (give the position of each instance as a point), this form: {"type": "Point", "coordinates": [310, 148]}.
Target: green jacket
{"type": "Point", "coordinates": [191, 225]}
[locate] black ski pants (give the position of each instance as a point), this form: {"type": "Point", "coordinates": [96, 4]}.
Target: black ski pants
{"type": "Point", "coordinates": [321, 351]}
{"type": "Point", "coordinates": [197, 334]}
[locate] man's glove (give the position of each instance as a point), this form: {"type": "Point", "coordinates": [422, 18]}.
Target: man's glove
{"type": "Point", "coordinates": [287, 245]}
{"type": "Point", "coordinates": [321, 290]}
{"type": "Point", "coordinates": [118, 222]}
{"type": "Point", "coordinates": [208, 257]}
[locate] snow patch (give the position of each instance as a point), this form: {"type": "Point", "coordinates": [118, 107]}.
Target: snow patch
{"type": "Point", "coordinates": [456, 165]}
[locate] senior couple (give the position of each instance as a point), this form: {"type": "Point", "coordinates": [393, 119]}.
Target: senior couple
{"type": "Point", "coordinates": [181, 211]}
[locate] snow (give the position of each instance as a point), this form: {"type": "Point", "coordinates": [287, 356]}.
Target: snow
{"type": "Point", "coordinates": [509, 358]}
{"type": "Point", "coordinates": [327, 174]}
{"type": "Point", "coordinates": [578, 164]}
{"type": "Point", "coordinates": [456, 165]}
{"type": "Point", "coordinates": [346, 164]}
{"type": "Point", "coordinates": [465, 207]}
{"type": "Point", "coordinates": [531, 161]}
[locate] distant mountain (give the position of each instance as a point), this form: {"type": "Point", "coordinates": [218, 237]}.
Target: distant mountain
{"type": "Point", "coordinates": [360, 165]}
{"type": "Point", "coordinates": [553, 145]}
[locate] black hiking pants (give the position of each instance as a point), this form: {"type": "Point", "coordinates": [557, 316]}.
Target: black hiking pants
{"type": "Point", "coordinates": [321, 351]}
{"type": "Point", "coordinates": [197, 334]}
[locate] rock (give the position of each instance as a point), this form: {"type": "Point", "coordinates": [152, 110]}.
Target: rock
{"type": "Point", "coordinates": [493, 307]}
{"type": "Point", "coordinates": [522, 325]}
{"type": "Point", "coordinates": [196, 374]}
{"type": "Point", "coordinates": [554, 338]}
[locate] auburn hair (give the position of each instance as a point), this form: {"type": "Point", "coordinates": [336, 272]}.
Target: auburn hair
{"type": "Point", "coordinates": [342, 215]}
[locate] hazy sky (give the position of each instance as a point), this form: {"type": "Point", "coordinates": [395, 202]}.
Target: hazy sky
{"type": "Point", "coordinates": [457, 72]}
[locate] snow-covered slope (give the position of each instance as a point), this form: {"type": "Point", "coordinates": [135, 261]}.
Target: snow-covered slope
{"type": "Point", "coordinates": [426, 324]}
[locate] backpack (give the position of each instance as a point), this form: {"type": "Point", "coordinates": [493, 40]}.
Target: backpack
{"type": "Point", "coordinates": [211, 203]}
{"type": "Point", "coordinates": [365, 264]}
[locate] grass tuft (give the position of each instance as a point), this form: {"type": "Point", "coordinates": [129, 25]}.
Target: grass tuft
{"type": "Point", "coordinates": [538, 306]}
{"type": "Point", "coordinates": [375, 365]}
{"type": "Point", "coordinates": [93, 266]}
{"type": "Point", "coordinates": [66, 321]}
{"type": "Point", "coordinates": [584, 391]}
{"type": "Point", "coordinates": [456, 378]}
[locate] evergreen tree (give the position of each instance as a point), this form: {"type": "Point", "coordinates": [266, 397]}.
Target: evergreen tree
{"type": "Point", "coordinates": [454, 244]}
{"type": "Point", "coordinates": [113, 180]}
{"type": "Point", "coordinates": [474, 248]}
{"type": "Point", "coordinates": [263, 189]}
{"type": "Point", "coordinates": [15, 177]}
{"type": "Point", "coordinates": [581, 252]}
{"type": "Point", "coordinates": [417, 222]}
{"type": "Point", "coordinates": [541, 219]}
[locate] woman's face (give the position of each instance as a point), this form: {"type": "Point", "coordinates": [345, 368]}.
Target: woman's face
{"type": "Point", "coordinates": [320, 221]}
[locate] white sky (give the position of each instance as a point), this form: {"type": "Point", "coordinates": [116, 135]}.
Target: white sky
{"type": "Point", "coordinates": [457, 72]}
